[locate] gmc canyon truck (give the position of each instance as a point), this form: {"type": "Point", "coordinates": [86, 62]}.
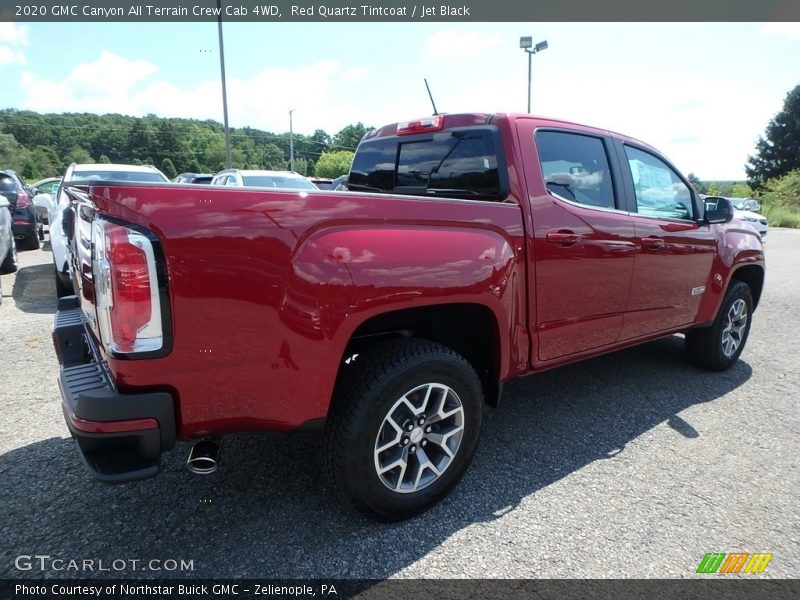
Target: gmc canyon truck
{"type": "Point", "coordinates": [470, 249]}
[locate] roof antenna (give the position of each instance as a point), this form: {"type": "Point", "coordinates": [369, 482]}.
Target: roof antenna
{"type": "Point", "coordinates": [435, 112]}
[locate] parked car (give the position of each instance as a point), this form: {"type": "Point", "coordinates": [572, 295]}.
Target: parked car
{"type": "Point", "coordinates": [43, 186]}
{"type": "Point", "coordinates": [339, 184]}
{"type": "Point", "coordinates": [84, 174]}
{"type": "Point", "coordinates": [268, 179]}
{"type": "Point", "coordinates": [758, 221]}
{"type": "Point", "coordinates": [23, 213]}
{"type": "Point", "coordinates": [8, 249]}
{"type": "Point", "coordinates": [194, 178]}
{"type": "Point", "coordinates": [322, 183]}
{"type": "Point", "coordinates": [472, 249]}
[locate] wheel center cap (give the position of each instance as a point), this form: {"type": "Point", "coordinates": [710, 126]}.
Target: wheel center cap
{"type": "Point", "coordinates": [416, 435]}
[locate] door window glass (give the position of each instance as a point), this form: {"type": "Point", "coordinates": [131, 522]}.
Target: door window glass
{"type": "Point", "coordinates": [659, 190]}
{"type": "Point", "coordinates": [575, 168]}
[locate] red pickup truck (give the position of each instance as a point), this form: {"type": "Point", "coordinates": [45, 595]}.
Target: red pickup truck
{"type": "Point", "coordinates": [470, 249]}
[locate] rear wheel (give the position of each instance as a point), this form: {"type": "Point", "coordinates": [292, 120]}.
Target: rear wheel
{"type": "Point", "coordinates": [718, 347]}
{"type": "Point", "coordinates": [403, 428]}
{"type": "Point", "coordinates": [30, 242]}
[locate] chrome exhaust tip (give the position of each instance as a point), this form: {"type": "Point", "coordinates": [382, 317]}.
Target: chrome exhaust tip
{"type": "Point", "coordinates": [203, 458]}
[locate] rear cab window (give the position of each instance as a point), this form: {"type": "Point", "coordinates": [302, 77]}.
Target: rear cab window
{"type": "Point", "coordinates": [456, 163]}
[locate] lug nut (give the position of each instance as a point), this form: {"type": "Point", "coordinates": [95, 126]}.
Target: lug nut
{"type": "Point", "coordinates": [422, 420]}
{"type": "Point", "coordinates": [409, 427]}
{"type": "Point", "coordinates": [428, 429]}
{"type": "Point", "coordinates": [405, 441]}
{"type": "Point", "coordinates": [424, 443]}
{"type": "Point", "coordinates": [412, 449]}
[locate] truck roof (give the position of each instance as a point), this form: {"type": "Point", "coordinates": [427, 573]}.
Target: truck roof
{"type": "Point", "coordinates": [477, 118]}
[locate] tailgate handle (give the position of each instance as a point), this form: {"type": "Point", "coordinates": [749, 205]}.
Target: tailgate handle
{"type": "Point", "coordinates": [653, 242]}
{"type": "Point", "coordinates": [563, 238]}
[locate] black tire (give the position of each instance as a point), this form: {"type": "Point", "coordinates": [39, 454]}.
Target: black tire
{"type": "Point", "coordinates": [10, 263]}
{"type": "Point", "coordinates": [62, 289]}
{"type": "Point", "coordinates": [365, 394]}
{"type": "Point", "coordinates": [31, 242]}
{"type": "Point", "coordinates": [706, 347]}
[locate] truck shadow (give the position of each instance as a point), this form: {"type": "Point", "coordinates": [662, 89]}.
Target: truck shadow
{"type": "Point", "coordinates": [266, 514]}
{"type": "Point", "coordinates": [34, 289]}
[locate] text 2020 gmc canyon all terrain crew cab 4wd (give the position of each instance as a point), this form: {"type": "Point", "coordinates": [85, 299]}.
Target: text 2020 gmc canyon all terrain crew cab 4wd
{"type": "Point", "coordinates": [471, 249]}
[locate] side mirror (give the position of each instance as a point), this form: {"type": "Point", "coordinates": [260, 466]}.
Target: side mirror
{"type": "Point", "coordinates": [719, 212]}
{"type": "Point", "coordinates": [43, 201]}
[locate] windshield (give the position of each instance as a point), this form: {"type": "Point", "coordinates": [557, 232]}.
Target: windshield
{"type": "Point", "coordinates": [276, 181]}
{"type": "Point", "coordinates": [100, 175]}
{"type": "Point", "coordinates": [737, 203]}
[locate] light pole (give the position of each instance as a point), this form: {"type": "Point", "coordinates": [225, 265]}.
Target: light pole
{"type": "Point", "coordinates": [526, 43]}
{"type": "Point", "coordinates": [291, 143]}
{"type": "Point", "coordinates": [224, 91]}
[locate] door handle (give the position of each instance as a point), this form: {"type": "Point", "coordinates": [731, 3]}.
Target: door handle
{"type": "Point", "coordinates": [563, 238]}
{"type": "Point", "coordinates": [652, 242]}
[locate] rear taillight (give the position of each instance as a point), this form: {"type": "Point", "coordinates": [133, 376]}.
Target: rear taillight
{"type": "Point", "coordinates": [421, 125]}
{"type": "Point", "coordinates": [23, 200]}
{"type": "Point", "coordinates": [126, 289]}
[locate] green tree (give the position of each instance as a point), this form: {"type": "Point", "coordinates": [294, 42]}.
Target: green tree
{"type": "Point", "coordinates": [696, 183]}
{"type": "Point", "coordinates": [12, 154]}
{"type": "Point", "coordinates": [45, 160]}
{"type": "Point", "coordinates": [333, 164]}
{"type": "Point", "coordinates": [77, 155]}
{"type": "Point", "coordinates": [272, 157]}
{"type": "Point", "coordinates": [168, 169]}
{"type": "Point", "coordinates": [741, 190]}
{"type": "Point", "coordinates": [349, 137]}
{"type": "Point", "coordinates": [777, 151]}
{"type": "Point", "coordinates": [104, 159]}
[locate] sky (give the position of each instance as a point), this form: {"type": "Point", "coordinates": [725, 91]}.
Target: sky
{"type": "Point", "coordinates": [701, 93]}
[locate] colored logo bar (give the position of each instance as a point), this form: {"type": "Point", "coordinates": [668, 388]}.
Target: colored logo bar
{"type": "Point", "coordinates": [734, 562]}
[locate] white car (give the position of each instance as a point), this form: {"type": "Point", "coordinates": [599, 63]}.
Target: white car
{"type": "Point", "coordinates": [8, 249]}
{"type": "Point", "coordinates": [756, 220]}
{"type": "Point", "coordinates": [286, 180]}
{"type": "Point", "coordinates": [84, 173]}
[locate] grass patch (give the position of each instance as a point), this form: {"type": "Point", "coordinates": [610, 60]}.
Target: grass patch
{"type": "Point", "coordinates": [782, 216]}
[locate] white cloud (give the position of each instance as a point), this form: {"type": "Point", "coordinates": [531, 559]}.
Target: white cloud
{"type": "Point", "coordinates": [13, 38]}
{"type": "Point", "coordinates": [790, 30]}
{"type": "Point", "coordinates": [117, 84]}
{"type": "Point", "coordinates": [460, 44]}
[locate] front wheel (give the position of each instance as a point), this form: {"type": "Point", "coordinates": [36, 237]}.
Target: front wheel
{"type": "Point", "coordinates": [403, 428]}
{"type": "Point", "coordinates": [718, 347]}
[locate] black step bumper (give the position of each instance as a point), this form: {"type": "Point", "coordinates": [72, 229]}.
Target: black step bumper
{"type": "Point", "coordinates": [120, 436]}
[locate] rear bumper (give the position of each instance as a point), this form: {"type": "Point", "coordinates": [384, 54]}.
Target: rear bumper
{"type": "Point", "coordinates": [120, 436]}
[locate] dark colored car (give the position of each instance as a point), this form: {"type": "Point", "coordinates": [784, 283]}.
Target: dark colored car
{"type": "Point", "coordinates": [322, 183]}
{"type": "Point", "coordinates": [194, 178]}
{"type": "Point", "coordinates": [23, 212]}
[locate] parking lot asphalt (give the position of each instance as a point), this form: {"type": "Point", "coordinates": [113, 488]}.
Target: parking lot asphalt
{"type": "Point", "coordinates": [633, 464]}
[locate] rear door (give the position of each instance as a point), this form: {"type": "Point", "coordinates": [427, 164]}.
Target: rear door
{"type": "Point", "coordinates": [583, 240]}
{"type": "Point", "coordinates": [674, 250]}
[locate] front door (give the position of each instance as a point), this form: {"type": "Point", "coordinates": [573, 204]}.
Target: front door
{"type": "Point", "coordinates": [674, 250]}
{"type": "Point", "coordinates": [583, 241]}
